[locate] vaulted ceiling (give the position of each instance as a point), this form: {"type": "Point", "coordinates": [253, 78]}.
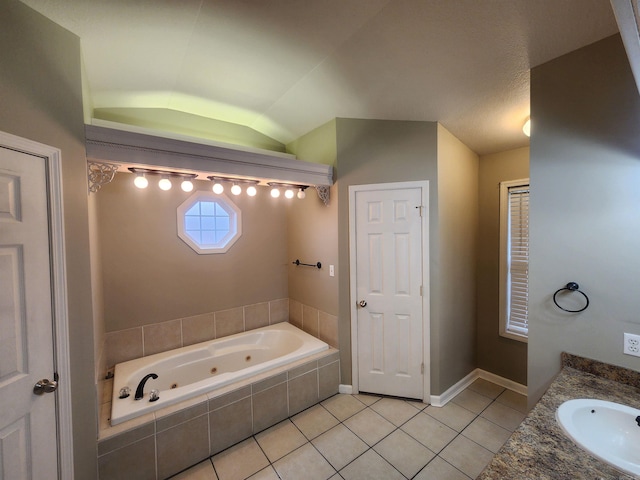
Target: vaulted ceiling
{"type": "Point", "coordinates": [285, 67]}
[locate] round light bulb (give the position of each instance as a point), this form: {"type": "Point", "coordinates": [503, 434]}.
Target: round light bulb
{"type": "Point", "coordinates": [164, 184]}
{"type": "Point", "coordinates": [186, 185]}
{"type": "Point", "coordinates": [236, 189]}
{"type": "Point", "coordinates": [141, 181]}
{"type": "Point", "coordinates": [275, 193]}
{"type": "Point", "coordinates": [288, 193]}
{"type": "Point", "coordinates": [527, 127]}
{"type": "Point", "coordinates": [251, 191]}
{"type": "Point", "coordinates": [218, 188]}
{"type": "Point", "coordinates": [301, 194]}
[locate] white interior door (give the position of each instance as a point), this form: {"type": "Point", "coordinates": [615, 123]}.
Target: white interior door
{"type": "Point", "coordinates": [389, 286]}
{"type": "Point", "coordinates": [28, 440]}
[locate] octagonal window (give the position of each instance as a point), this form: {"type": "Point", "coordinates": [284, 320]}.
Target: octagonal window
{"type": "Point", "coordinates": [209, 223]}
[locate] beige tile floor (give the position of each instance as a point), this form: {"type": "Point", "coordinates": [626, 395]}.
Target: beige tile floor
{"type": "Point", "coordinates": [368, 437]}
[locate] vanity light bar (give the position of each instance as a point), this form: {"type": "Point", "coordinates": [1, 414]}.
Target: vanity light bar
{"type": "Point", "coordinates": [141, 180]}
{"type": "Point", "coordinates": [288, 190]}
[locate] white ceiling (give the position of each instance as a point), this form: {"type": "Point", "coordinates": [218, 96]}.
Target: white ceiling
{"type": "Point", "coordinates": [285, 67]}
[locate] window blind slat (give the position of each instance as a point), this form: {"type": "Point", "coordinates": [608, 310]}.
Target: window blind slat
{"type": "Point", "coordinates": [518, 261]}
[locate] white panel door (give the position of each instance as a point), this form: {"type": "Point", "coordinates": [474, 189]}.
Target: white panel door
{"type": "Point", "coordinates": [28, 441]}
{"type": "Point", "coordinates": [388, 283]}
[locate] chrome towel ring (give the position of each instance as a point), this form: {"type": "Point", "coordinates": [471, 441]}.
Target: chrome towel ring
{"type": "Point", "coordinates": [572, 287]}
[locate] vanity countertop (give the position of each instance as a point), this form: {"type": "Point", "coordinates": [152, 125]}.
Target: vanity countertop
{"type": "Point", "coordinates": [538, 449]}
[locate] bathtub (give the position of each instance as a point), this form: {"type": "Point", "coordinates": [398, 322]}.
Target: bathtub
{"type": "Point", "coordinates": [190, 371]}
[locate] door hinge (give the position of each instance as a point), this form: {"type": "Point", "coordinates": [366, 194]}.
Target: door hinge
{"type": "Point", "coordinates": [422, 368]}
{"type": "Point", "coordinates": [421, 291]}
{"type": "Point", "coordinates": [420, 207]}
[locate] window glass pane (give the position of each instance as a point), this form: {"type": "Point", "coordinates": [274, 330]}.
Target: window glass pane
{"type": "Point", "coordinates": [192, 223]}
{"type": "Point", "coordinates": [222, 224]}
{"type": "Point", "coordinates": [209, 237]}
{"type": "Point", "coordinates": [220, 211]}
{"type": "Point", "coordinates": [208, 223]}
{"type": "Point", "coordinates": [220, 236]}
{"type": "Point", "coordinates": [195, 210]}
{"type": "Point", "coordinates": [207, 208]}
{"type": "Point", "coordinates": [195, 236]}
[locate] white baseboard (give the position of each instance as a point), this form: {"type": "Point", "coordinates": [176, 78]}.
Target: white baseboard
{"type": "Point", "coordinates": [345, 389]}
{"type": "Point", "coordinates": [444, 398]}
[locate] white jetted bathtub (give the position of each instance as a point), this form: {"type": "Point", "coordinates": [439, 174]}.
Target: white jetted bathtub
{"type": "Point", "coordinates": [197, 369]}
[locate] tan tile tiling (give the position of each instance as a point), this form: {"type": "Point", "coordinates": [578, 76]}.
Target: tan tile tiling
{"type": "Point", "coordinates": [314, 421]}
{"type": "Point", "coordinates": [370, 466]}
{"type": "Point", "coordinates": [397, 412]}
{"type": "Point", "coordinates": [472, 401]}
{"type": "Point", "coordinates": [343, 406]}
{"type": "Point", "coordinates": [340, 446]}
{"type": "Point", "coordinates": [403, 452]}
{"type": "Point", "coordinates": [202, 471]}
{"type": "Point", "coordinates": [240, 461]}
{"type": "Point", "coordinates": [305, 459]}
{"type": "Point", "coordinates": [367, 398]}
{"type": "Point", "coordinates": [487, 434]}
{"type": "Point", "coordinates": [452, 415]}
{"type": "Point", "coordinates": [429, 431]}
{"type": "Point", "coordinates": [514, 400]}
{"type": "Point", "coordinates": [369, 426]}
{"type": "Point", "coordinates": [315, 444]}
{"type": "Point", "coordinates": [279, 440]}
{"type": "Point", "coordinates": [504, 416]}
{"type": "Point", "coordinates": [265, 474]}
{"type": "Point", "coordinates": [486, 388]}
{"type": "Point", "coordinates": [440, 470]}
{"type": "Point", "coordinates": [467, 456]}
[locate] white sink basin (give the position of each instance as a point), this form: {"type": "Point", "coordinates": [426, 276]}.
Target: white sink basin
{"type": "Point", "coordinates": [607, 430]}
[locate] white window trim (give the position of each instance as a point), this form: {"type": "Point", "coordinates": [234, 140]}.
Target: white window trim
{"type": "Point", "coordinates": [504, 260]}
{"type": "Point", "coordinates": [235, 220]}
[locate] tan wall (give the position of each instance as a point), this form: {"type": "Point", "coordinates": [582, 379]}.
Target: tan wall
{"type": "Point", "coordinates": [375, 151]}
{"type": "Point", "coordinates": [453, 282]}
{"type": "Point", "coordinates": [40, 94]}
{"type": "Point", "coordinates": [496, 354]}
{"type": "Point", "coordinates": [585, 208]}
{"type": "Point", "coordinates": [151, 276]}
{"type": "Point", "coordinates": [312, 228]}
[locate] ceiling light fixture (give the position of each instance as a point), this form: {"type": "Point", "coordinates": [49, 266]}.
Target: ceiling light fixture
{"type": "Point", "coordinates": [217, 188]}
{"type": "Point", "coordinates": [141, 181]}
{"type": "Point", "coordinates": [186, 185]}
{"type": "Point", "coordinates": [526, 128]}
{"type": "Point", "coordinates": [165, 183]}
{"type": "Point", "coordinates": [289, 190]}
{"type": "Point", "coordinates": [236, 189]}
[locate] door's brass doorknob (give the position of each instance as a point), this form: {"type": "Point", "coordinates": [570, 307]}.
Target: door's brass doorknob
{"type": "Point", "coordinates": [362, 303]}
{"type": "Point", "coordinates": [45, 386]}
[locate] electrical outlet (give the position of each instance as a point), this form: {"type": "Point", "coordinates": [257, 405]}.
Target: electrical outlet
{"type": "Point", "coordinates": [631, 344]}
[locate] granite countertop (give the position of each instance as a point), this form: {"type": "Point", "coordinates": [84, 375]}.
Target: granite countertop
{"type": "Point", "coordinates": [538, 449]}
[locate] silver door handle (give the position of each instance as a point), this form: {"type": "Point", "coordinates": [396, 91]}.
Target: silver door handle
{"type": "Point", "coordinates": [45, 386]}
{"type": "Point", "coordinates": [362, 303]}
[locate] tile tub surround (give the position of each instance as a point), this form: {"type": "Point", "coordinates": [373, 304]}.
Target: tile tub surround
{"type": "Point", "coordinates": [161, 444]}
{"type": "Point", "coordinates": [539, 449]}
{"type": "Point", "coordinates": [124, 345]}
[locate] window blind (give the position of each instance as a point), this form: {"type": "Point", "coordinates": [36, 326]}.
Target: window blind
{"type": "Point", "coordinates": [518, 261]}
